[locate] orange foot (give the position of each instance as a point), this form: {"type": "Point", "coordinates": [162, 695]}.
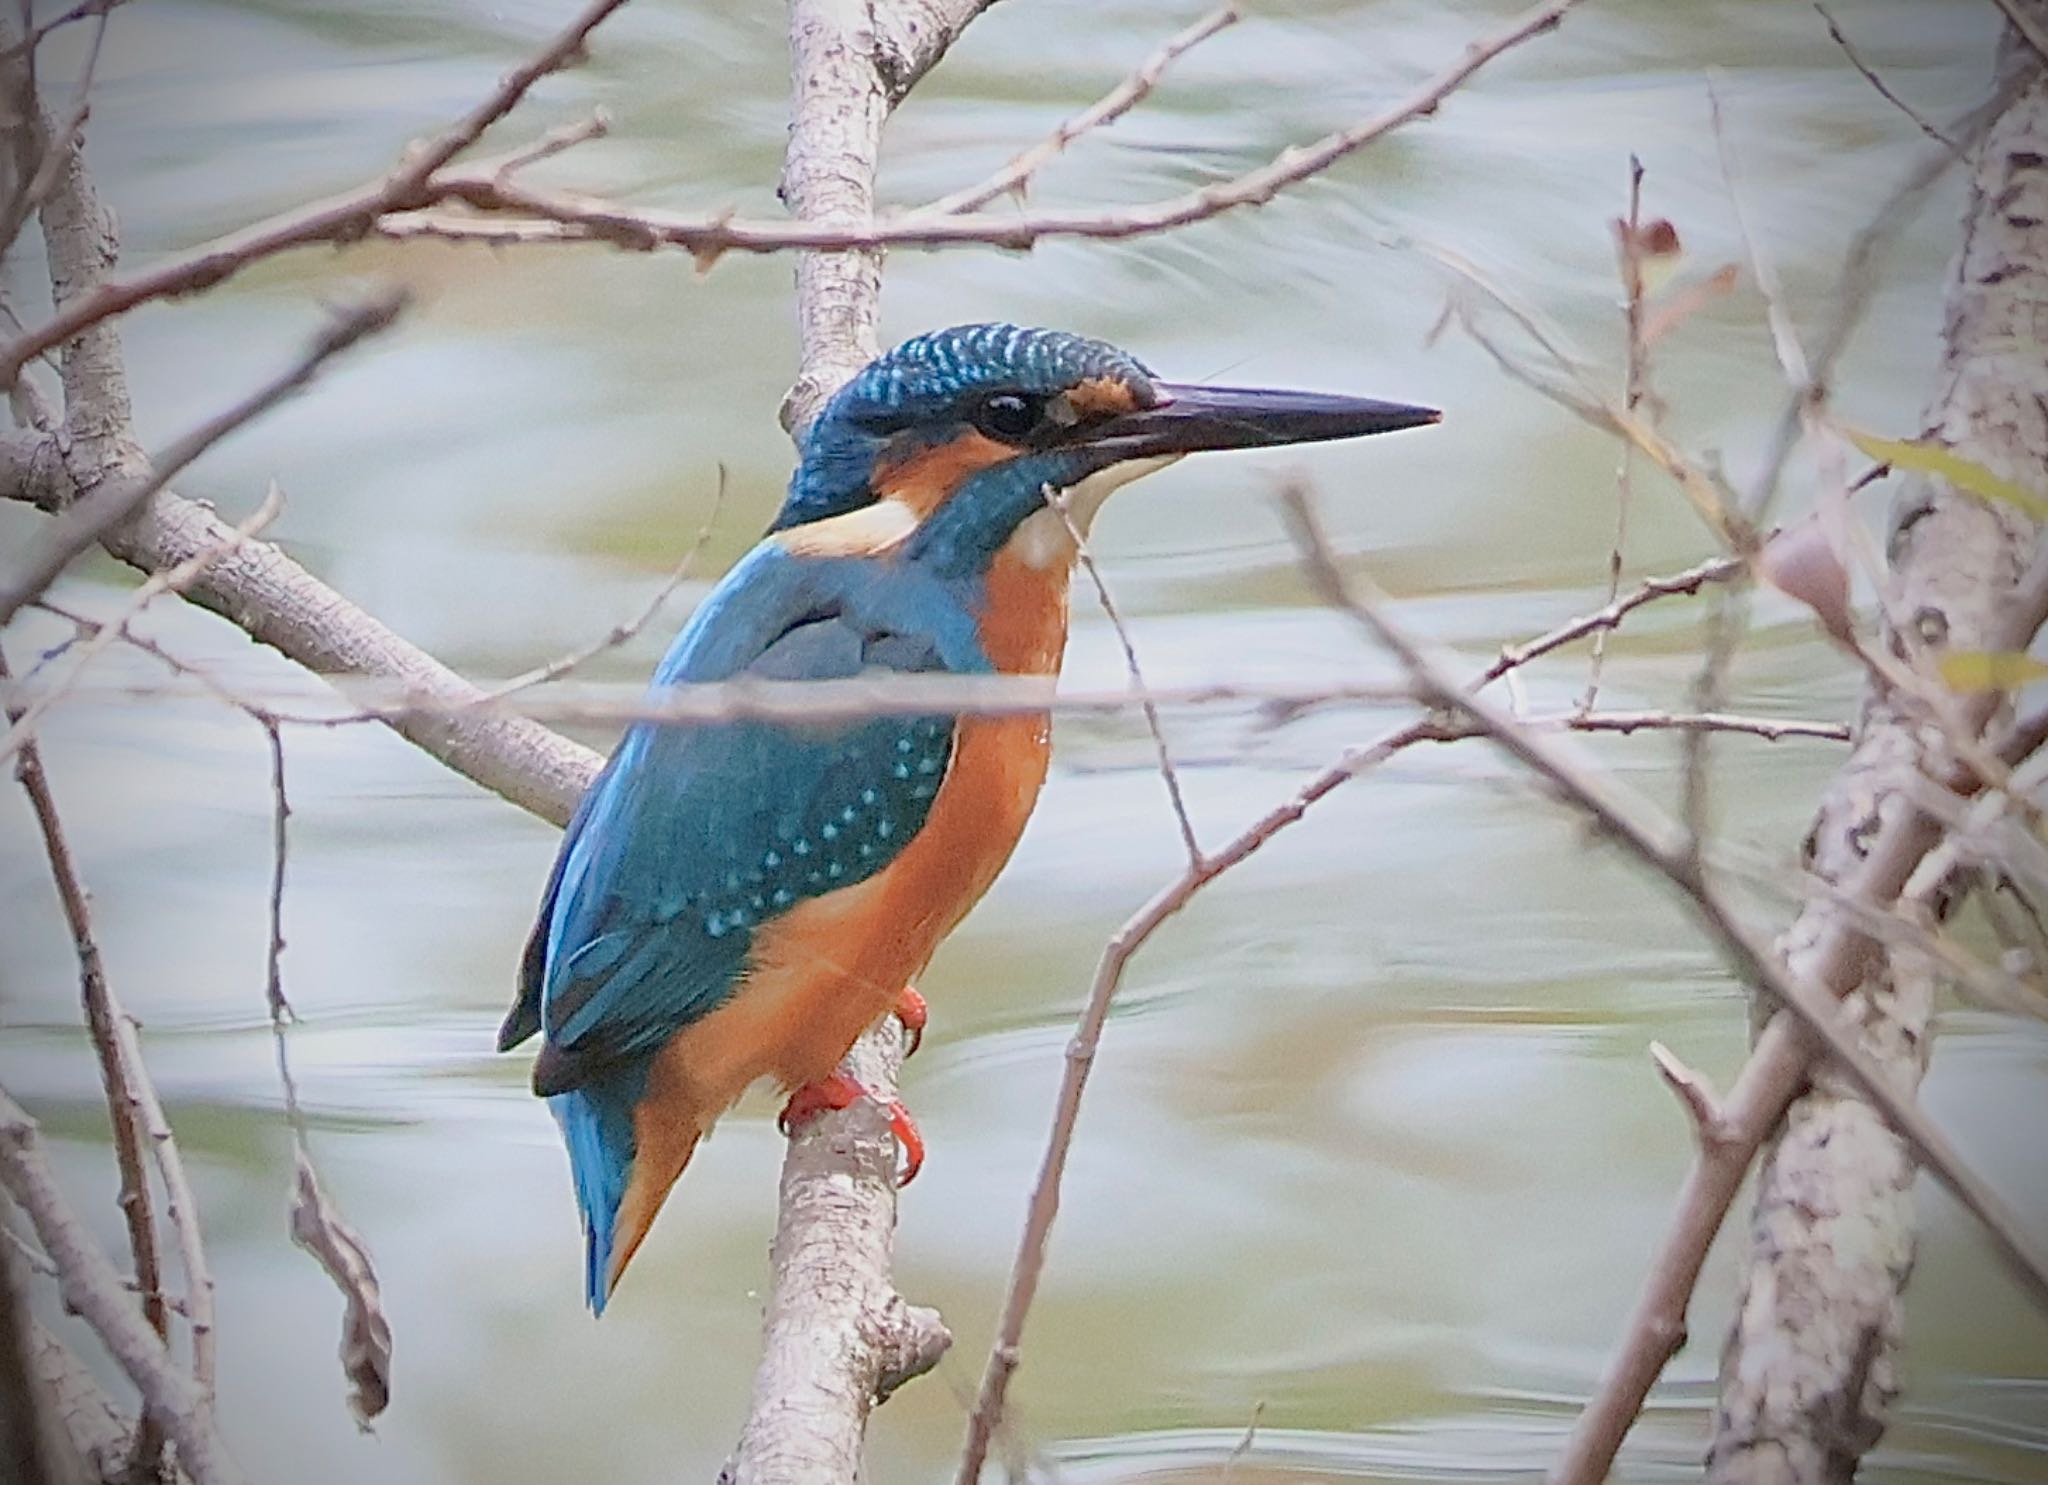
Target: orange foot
{"type": "Point", "coordinates": [841, 1092]}
{"type": "Point", "coordinates": [913, 1012]}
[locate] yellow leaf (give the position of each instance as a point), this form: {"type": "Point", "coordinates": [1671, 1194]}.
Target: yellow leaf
{"type": "Point", "coordinates": [1964, 474]}
{"type": "Point", "coordinates": [1980, 670]}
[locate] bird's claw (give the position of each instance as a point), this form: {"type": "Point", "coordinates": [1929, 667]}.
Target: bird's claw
{"type": "Point", "coordinates": [841, 1092]}
{"type": "Point", "coordinates": [913, 1011]}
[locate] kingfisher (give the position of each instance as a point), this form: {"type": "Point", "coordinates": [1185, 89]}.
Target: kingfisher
{"type": "Point", "coordinates": [741, 900]}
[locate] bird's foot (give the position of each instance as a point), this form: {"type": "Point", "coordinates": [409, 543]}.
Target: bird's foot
{"type": "Point", "coordinates": [838, 1091]}
{"type": "Point", "coordinates": [913, 1011]}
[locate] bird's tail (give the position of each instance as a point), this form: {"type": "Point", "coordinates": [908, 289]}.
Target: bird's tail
{"type": "Point", "coordinates": [626, 1150]}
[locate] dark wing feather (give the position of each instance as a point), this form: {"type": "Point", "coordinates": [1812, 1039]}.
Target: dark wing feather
{"type": "Point", "coordinates": [696, 835]}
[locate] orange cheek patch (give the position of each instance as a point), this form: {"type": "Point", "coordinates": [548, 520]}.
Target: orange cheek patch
{"type": "Point", "coordinates": [1102, 397]}
{"type": "Point", "coordinates": [928, 477]}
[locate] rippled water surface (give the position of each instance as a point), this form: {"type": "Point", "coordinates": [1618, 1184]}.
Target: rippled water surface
{"type": "Point", "coordinates": [1373, 1152]}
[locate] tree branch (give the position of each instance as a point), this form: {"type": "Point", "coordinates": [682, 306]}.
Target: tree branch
{"type": "Point", "coordinates": [837, 1336]}
{"type": "Point", "coordinates": [90, 517]}
{"type": "Point", "coordinates": [1832, 1230]}
{"type": "Point", "coordinates": [92, 1289]}
{"type": "Point", "coordinates": [339, 219]}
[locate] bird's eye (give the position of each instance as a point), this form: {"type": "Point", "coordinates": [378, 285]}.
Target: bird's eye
{"type": "Point", "coordinates": [1009, 415]}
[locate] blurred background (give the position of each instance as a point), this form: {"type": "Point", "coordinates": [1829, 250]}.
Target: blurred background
{"type": "Point", "coordinates": [1373, 1149]}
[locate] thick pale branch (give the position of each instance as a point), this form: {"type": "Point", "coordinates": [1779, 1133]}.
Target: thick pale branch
{"type": "Point", "coordinates": [1832, 1230]}
{"type": "Point", "coordinates": [836, 1329]}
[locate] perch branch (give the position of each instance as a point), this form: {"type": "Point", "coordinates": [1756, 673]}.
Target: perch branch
{"type": "Point", "coordinates": [837, 1337]}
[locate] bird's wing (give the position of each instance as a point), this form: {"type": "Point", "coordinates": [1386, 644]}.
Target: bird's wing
{"type": "Point", "coordinates": [695, 835]}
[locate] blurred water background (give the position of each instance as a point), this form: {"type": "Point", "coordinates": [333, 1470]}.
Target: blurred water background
{"type": "Point", "coordinates": [1373, 1149]}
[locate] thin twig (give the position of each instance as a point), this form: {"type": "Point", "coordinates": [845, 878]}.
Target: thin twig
{"type": "Point", "coordinates": [1058, 501]}
{"type": "Point", "coordinates": [100, 510]}
{"type": "Point", "coordinates": [316, 1224]}
{"type": "Point", "coordinates": [861, 698]}
{"type": "Point", "coordinates": [170, 580]}
{"type": "Point", "coordinates": [706, 237]}
{"type": "Point", "coordinates": [1678, 584]}
{"type": "Point", "coordinates": [1884, 90]}
{"type": "Point", "coordinates": [1660, 845]}
{"type": "Point", "coordinates": [83, 11]}
{"type": "Point", "coordinates": [621, 633]}
{"type": "Point", "coordinates": [1014, 176]}
{"type": "Point", "coordinates": [1629, 253]}
{"type": "Point", "coordinates": [118, 1076]}
{"type": "Point", "coordinates": [339, 219]}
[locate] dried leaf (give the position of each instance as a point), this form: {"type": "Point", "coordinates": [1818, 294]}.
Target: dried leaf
{"type": "Point", "coordinates": [1979, 670]}
{"type": "Point", "coordinates": [1651, 250]}
{"type": "Point", "coordinates": [365, 1333]}
{"type": "Point", "coordinates": [1946, 463]}
{"type": "Point", "coordinates": [1802, 561]}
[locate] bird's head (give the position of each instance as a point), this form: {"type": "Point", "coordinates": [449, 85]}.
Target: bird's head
{"type": "Point", "coordinates": [949, 443]}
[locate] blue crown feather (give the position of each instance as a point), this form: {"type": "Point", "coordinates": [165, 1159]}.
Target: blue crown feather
{"type": "Point", "coordinates": [919, 382]}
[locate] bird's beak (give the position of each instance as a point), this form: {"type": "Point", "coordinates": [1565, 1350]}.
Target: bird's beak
{"type": "Point", "coordinates": [1189, 418]}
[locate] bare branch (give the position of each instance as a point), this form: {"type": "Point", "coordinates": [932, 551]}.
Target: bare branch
{"type": "Point", "coordinates": [119, 1076]}
{"type": "Point", "coordinates": [1832, 1228]}
{"type": "Point", "coordinates": [336, 220]}
{"type": "Point", "coordinates": [2026, 20]}
{"type": "Point", "coordinates": [25, 1432]}
{"type": "Point", "coordinates": [837, 1336]}
{"type": "Point", "coordinates": [849, 67]}
{"type": "Point", "coordinates": [170, 580]}
{"type": "Point", "coordinates": [55, 144]}
{"type": "Point", "coordinates": [1686, 583]}
{"type": "Point", "coordinates": [620, 633]}
{"type": "Point", "coordinates": [1629, 252]}
{"type": "Point", "coordinates": [1168, 774]}
{"type": "Point", "coordinates": [1661, 845]}
{"type": "Point", "coordinates": [98, 511]}
{"type": "Point", "coordinates": [92, 1289]}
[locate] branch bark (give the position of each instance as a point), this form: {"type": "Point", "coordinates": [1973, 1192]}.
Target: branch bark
{"type": "Point", "coordinates": [1811, 1365]}
{"type": "Point", "coordinates": [838, 1337]}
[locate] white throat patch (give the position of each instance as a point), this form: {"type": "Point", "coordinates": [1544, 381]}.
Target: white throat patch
{"type": "Point", "coordinates": [1042, 539]}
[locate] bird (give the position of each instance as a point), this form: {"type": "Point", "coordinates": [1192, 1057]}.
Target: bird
{"type": "Point", "coordinates": [742, 899]}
